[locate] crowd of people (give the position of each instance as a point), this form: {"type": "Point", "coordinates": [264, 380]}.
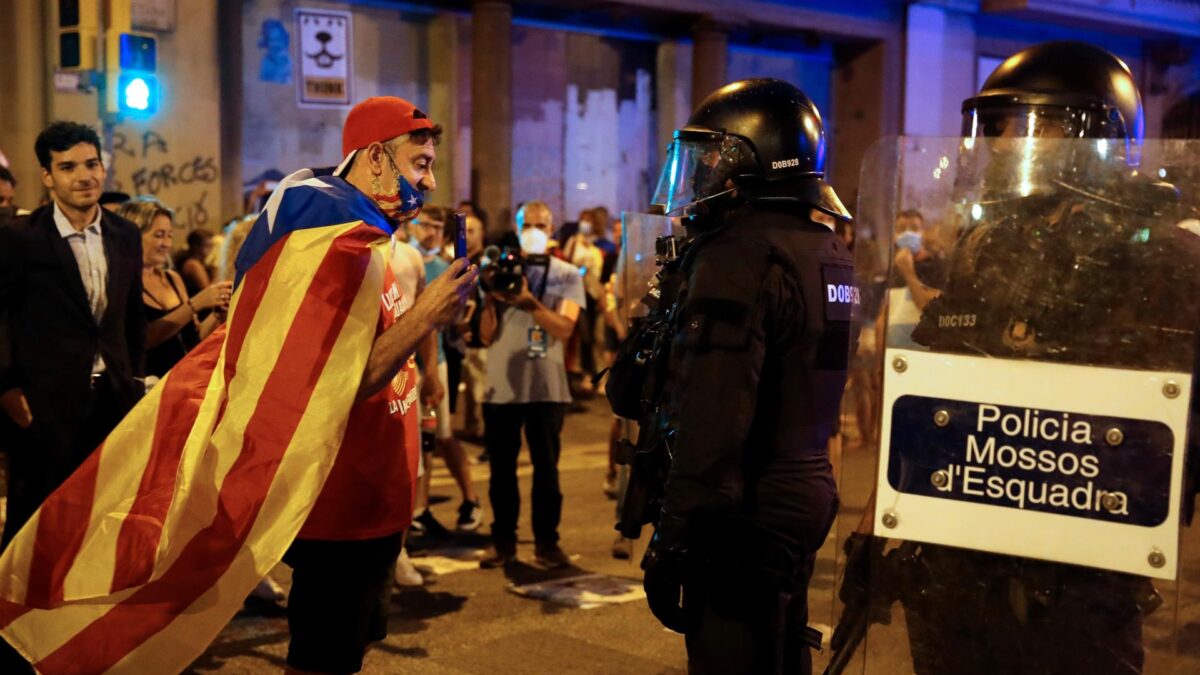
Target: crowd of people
{"type": "Point", "coordinates": [382, 327]}
{"type": "Point", "coordinates": [517, 357]}
{"type": "Point", "coordinates": [545, 340]}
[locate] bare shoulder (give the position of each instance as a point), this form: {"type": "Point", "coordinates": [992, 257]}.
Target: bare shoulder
{"type": "Point", "coordinates": [406, 260]}
{"type": "Point", "coordinates": [410, 255]}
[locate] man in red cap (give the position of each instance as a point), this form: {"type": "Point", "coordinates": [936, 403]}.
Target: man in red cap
{"type": "Point", "coordinates": [343, 559]}
{"type": "Point", "coordinates": [305, 399]}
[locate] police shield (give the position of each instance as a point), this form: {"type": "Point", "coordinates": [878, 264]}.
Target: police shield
{"type": "Point", "coordinates": [1023, 504]}
{"type": "Point", "coordinates": [646, 242]}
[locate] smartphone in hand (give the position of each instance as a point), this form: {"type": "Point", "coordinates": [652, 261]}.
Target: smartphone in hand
{"type": "Point", "coordinates": [460, 234]}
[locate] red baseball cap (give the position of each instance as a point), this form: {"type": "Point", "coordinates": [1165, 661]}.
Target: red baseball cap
{"type": "Point", "coordinates": [379, 119]}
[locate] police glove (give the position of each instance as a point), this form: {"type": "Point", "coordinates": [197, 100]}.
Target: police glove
{"type": "Point", "coordinates": [663, 582]}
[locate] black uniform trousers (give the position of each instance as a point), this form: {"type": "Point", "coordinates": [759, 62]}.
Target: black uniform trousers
{"type": "Point", "coordinates": [543, 423]}
{"type": "Point", "coordinates": [759, 637]}
{"type": "Point", "coordinates": [746, 615]}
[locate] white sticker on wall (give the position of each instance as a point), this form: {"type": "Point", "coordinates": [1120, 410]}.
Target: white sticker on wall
{"type": "Point", "coordinates": [325, 57]}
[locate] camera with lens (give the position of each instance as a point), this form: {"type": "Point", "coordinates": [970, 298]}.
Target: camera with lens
{"type": "Point", "coordinates": [501, 270]}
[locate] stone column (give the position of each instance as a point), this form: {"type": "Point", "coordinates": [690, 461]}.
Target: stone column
{"type": "Point", "coordinates": [939, 66]}
{"type": "Point", "coordinates": [25, 78]}
{"type": "Point", "coordinates": [443, 102]}
{"type": "Point", "coordinates": [672, 79]}
{"type": "Point", "coordinates": [229, 73]}
{"type": "Point", "coordinates": [710, 54]}
{"type": "Point", "coordinates": [491, 110]}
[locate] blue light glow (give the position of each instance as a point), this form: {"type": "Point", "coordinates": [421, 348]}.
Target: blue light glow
{"type": "Point", "coordinates": [137, 94]}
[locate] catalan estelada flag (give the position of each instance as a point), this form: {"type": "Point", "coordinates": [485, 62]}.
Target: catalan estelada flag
{"type": "Point", "coordinates": [140, 558]}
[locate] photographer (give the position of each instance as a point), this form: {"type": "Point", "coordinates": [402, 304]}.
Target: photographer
{"type": "Point", "coordinates": [530, 310]}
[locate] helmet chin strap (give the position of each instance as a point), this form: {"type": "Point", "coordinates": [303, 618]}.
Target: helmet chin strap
{"type": "Point", "coordinates": [675, 211]}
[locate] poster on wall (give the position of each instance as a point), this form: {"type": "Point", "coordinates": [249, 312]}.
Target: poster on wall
{"type": "Point", "coordinates": [325, 63]}
{"type": "Point", "coordinates": [155, 15]}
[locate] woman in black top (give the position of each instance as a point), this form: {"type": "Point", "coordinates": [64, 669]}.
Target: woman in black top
{"type": "Point", "coordinates": [172, 328]}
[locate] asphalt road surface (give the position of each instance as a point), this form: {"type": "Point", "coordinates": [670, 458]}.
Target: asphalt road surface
{"type": "Point", "coordinates": [469, 620]}
{"type": "Point", "coordinates": [592, 617]}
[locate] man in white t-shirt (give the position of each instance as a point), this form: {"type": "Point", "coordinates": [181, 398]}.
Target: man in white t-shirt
{"type": "Point", "coordinates": [525, 332]}
{"type": "Point", "coordinates": [409, 271]}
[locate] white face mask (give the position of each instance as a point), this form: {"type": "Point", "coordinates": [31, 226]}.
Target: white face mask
{"type": "Point", "coordinates": [910, 240]}
{"type": "Point", "coordinates": [533, 241]}
{"type": "Point", "coordinates": [585, 227]}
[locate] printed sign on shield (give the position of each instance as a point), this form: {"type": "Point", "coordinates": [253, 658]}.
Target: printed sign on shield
{"type": "Point", "coordinates": [325, 61]}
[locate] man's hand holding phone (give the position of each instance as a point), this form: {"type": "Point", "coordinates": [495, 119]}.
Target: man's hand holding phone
{"type": "Point", "coordinates": [448, 294]}
{"type": "Point", "coordinates": [460, 234]}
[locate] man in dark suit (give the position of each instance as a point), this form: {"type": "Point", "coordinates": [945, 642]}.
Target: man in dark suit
{"type": "Point", "coordinates": [70, 293]}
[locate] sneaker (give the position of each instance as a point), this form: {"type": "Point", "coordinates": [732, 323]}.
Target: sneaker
{"type": "Point", "coordinates": [622, 548]}
{"type": "Point", "coordinates": [406, 574]}
{"type": "Point", "coordinates": [268, 589]}
{"type": "Point", "coordinates": [470, 516]}
{"type": "Point", "coordinates": [611, 487]}
{"type": "Point", "coordinates": [501, 556]}
{"type": "Point", "coordinates": [551, 556]}
{"type": "Point", "coordinates": [425, 524]}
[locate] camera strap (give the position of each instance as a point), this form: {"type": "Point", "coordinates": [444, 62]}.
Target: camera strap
{"type": "Point", "coordinates": [544, 263]}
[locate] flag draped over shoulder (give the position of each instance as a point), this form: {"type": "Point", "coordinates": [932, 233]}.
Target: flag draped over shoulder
{"type": "Point", "coordinates": [140, 558]}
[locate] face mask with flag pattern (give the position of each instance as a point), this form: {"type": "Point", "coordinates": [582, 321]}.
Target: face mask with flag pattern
{"type": "Point", "coordinates": [407, 201]}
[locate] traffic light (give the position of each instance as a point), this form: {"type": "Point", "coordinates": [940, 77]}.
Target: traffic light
{"type": "Point", "coordinates": [131, 83]}
{"type": "Point", "coordinates": [78, 28]}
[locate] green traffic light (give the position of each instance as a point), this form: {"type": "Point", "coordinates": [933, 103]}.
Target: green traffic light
{"type": "Point", "coordinates": [137, 95]}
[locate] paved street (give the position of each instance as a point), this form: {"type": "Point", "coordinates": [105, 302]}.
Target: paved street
{"type": "Point", "coordinates": [468, 620]}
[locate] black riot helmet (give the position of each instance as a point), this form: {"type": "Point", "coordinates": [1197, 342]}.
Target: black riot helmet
{"type": "Point", "coordinates": [1030, 110]}
{"type": "Point", "coordinates": [762, 138]}
{"type": "Point", "coordinates": [1062, 89]}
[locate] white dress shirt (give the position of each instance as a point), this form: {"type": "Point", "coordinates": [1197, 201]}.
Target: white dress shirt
{"type": "Point", "coordinates": [88, 247]}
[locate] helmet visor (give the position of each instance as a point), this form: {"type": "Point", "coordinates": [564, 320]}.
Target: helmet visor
{"type": "Point", "coordinates": [1031, 121]}
{"type": "Point", "coordinates": [694, 170]}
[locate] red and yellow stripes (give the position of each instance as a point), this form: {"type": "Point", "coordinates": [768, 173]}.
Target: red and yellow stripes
{"type": "Point", "coordinates": [137, 561]}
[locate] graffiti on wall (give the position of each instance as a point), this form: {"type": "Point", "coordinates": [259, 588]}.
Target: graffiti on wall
{"type": "Point", "coordinates": [145, 165]}
{"type": "Point", "coordinates": [598, 171]}
{"type": "Point", "coordinates": [276, 64]}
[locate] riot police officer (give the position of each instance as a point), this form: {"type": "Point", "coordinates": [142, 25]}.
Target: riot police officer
{"type": "Point", "coordinates": [1033, 188]}
{"type": "Point", "coordinates": [1037, 276]}
{"type": "Point", "coordinates": [761, 335]}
